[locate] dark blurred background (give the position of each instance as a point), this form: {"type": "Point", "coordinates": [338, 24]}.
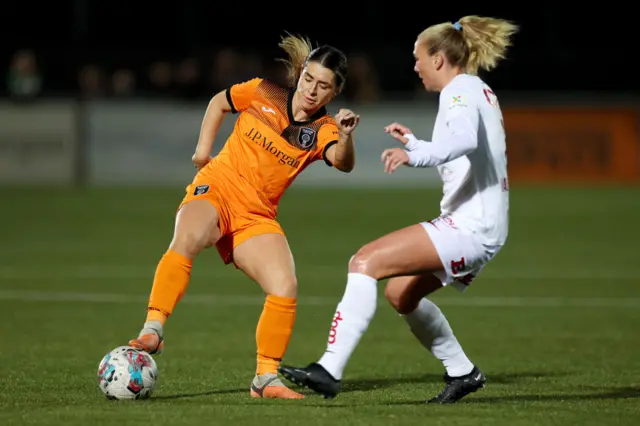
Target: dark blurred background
{"type": "Point", "coordinates": [192, 48]}
{"type": "Point", "coordinates": [110, 83]}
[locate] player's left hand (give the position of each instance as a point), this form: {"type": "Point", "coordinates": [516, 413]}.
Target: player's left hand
{"type": "Point", "coordinates": [200, 160]}
{"type": "Point", "coordinates": [398, 131]}
{"type": "Point", "coordinates": [394, 158]}
{"type": "Point", "coordinates": [347, 121]}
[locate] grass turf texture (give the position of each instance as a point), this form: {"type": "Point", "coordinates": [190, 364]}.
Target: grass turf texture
{"type": "Point", "coordinates": [553, 321]}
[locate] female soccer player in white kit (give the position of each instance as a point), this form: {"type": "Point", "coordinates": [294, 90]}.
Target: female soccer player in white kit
{"type": "Point", "coordinates": [469, 150]}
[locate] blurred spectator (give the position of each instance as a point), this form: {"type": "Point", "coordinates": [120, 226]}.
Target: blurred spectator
{"type": "Point", "coordinates": [91, 82]}
{"type": "Point", "coordinates": [160, 78]}
{"type": "Point", "coordinates": [225, 70]}
{"type": "Point", "coordinates": [250, 66]}
{"type": "Point", "coordinates": [123, 83]}
{"type": "Point", "coordinates": [363, 85]}
{"type": "Point", "coordinates": [24, 80]}
{"type": "Point", "coordinates": [188, 79]}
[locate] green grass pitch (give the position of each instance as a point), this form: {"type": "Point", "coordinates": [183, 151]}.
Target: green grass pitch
{"type": "Point", "coordinates": [553, 321]}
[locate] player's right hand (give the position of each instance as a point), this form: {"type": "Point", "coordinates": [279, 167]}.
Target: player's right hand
{"type": "Point", "coordinates": [347, 121]}
{"type": "Point", "coordinates": [398, 131]}
{"type": "Point", "coordinates": [394, 158]}
{"type": "Point", "coordinates": [199, 160]}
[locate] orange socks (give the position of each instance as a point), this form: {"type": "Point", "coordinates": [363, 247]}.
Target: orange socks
{"type": "Point", "coordinates": [274, 332]}
{"type": "Point", "coordinates": [274, 327]}
{"type": "Point", "coordinates": [169, 285]}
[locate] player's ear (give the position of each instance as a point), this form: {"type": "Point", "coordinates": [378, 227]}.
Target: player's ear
{"type": "Point", "coordinates": [438, 60]}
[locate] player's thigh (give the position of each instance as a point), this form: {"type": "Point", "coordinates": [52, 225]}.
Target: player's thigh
{"type": "Point", "coordinates": [408, 251]}
{"type": "Point", "coordinates": [404, 293]}
{"type": "Point", "coordinates": [267, 259]}
{"type": "Point", "coordinates": [196, 227]}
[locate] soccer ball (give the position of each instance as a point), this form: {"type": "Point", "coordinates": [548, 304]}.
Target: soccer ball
{"type": "Point", "coordinates": [127, 373]}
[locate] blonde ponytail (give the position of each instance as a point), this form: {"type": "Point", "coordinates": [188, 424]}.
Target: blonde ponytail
{"type": "Point", "coordinates": [298, 50]}
{"type": "Point", "coordinates": [487, 39]}
{"type": "Point", "coordinates": [472, 43]}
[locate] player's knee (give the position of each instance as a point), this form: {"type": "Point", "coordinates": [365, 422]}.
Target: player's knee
{"type": "Point", "coordinates": [287, 287]}
{"type": "Point", "coordinates": [189, 242]}
{"type": "Point", "coordinates": [363, 262]}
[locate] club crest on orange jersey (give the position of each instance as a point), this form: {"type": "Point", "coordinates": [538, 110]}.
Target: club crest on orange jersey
{"type": "Point", "coordinates": [306, 137]}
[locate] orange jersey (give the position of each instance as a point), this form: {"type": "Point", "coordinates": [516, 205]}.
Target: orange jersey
{"type": "Point", "coordinates": [268, 148]}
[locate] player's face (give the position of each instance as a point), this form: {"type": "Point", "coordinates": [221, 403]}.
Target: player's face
{"type": "Point", "coordinates": [316, 86]}
{"type": "Point", "coordinates": [425, 66]}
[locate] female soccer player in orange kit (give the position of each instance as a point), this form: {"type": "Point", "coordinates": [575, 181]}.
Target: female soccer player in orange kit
{"type": "Point", "coordinates": [232, 202]}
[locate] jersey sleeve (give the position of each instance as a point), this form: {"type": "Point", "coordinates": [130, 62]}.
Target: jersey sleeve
{"type": "Point", "coordinates": [240, 95]}
{"type": "Point", "coordinates": [462, 119]}
{"type": "Point", "coordinates": [327, 137]}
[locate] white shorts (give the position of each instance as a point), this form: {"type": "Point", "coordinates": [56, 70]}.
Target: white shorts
{"type": "Point", "coordinates": [461, 253]}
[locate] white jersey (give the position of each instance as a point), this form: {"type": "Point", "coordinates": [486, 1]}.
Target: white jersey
{"type": "Point", "coordinates": [468, 148]}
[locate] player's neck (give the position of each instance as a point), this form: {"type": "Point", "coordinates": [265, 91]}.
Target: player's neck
{"type": "Point", "coordinates": [448, 76]}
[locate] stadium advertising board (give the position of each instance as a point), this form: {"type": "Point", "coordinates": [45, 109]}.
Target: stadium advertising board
{"type": "Point", "coordinates": [151, 143]}
{"type": "Point", "coordinates": [37, 142]}
{"type": "Point", "coordinates": [563, 145]}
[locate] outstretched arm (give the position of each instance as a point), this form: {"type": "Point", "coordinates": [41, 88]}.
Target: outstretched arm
{"type": "Point", "coordinates": [216, 110]}
{"type": "Point", "coordinates": [236, 98]}
{"type": "Point", "coordinates": [343, 153]}
{"type": "Point", "coordinates": [462, 139]}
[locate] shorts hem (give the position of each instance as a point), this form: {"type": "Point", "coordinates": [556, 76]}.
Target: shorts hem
{"type": "Point", "coordinates": [444, 275]}
{"type": "Point", "coordinates": [228, 243]}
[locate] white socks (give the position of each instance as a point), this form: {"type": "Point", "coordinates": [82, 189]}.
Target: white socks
{"type": "Point", "coordinates": [355, 312]}
{"type": "Point", "coordinates": [353, 315]}
{"type": "Point", "coordinates": [432, 329]}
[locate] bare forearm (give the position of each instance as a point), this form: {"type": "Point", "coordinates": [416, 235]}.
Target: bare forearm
{"type": "Point", "coordinates": [345, 153]}
{"type": "Point", "coordinates": [211, 123]}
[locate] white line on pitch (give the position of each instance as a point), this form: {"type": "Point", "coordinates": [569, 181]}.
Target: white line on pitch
{"type": "Point", "coordinates": [248, 300]}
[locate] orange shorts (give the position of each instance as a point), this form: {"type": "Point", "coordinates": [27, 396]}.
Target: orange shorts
{"type": "Point", "coordinates": [243, 212]}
